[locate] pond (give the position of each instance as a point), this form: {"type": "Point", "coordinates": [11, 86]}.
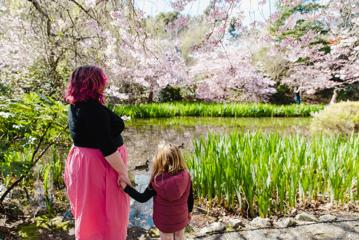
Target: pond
{"type": "Point", "coordinates": [143, 136]}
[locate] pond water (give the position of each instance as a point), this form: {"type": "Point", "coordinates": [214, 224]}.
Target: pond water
{"type": "Point", "coordinates": [143, 136]}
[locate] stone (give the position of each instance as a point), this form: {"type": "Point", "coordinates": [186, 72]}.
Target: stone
{"type": "Point", "coordinates": [326, 207]}
{"type": "Point", "coordinates": [327, 218]}
{"type": "Point", "coordinates": [215, 227]}
{"type": "Point", "coordinates": [261, 222]}
{"type": "Point", "coordinates": [293, 212]}
{"type": "Point", "coordinates": [324, 231]}
{"type": "Point", "coordinates": [236, 223]}
{"type": "Point", "coordinates": [306, 217]}
{"type": "Point", "coordinates": [286, 222]}
{"type": "Point", "coordinates": [72, 231]}
{"type": "Point", "coordinates": [2, 221]}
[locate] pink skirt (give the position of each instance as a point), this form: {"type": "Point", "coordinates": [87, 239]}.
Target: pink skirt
{"type": "Point", "coordinates": [100, 207]}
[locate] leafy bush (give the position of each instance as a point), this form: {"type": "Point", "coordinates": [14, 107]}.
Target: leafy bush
{"type": "Point", "coordinates": [341, 117]}
{"type": "Point", "coordinates": [169, 94]}
{"type": "Point", "coordinates": [28, 128]}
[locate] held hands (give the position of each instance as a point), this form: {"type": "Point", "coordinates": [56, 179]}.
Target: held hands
{"type": "Point", "coordinates": [122, 184]}
{"type": "Point", "coordinates": [122, 181]}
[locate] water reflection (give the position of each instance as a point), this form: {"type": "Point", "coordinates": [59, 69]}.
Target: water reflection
{"type": "Point", "coordinates": [141, 213]}
{"type": "Point", "coordinates": [143, 136]}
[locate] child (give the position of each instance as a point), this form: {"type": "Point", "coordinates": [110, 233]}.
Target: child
{"type": "Point", "coordinates": [171, 187]}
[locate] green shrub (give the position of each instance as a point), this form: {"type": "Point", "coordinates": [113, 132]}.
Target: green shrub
{"type": "Point", "coordinates": [169, 94]}
{"type": "Point", "coordinates": [29, 127]}
{"type": "Point", "coordinates": [341, 117]}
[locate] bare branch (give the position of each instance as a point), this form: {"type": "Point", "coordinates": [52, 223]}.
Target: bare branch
{"type": "Point", "coordinates": [44, 14]}
{"type": "Point", "coordinates": [87, 11]}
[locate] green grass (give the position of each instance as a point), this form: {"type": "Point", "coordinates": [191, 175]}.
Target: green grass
{"type": "Point", "coordinates": [165, 110]}
{"type": "Point", "coordinates": [268, 174]}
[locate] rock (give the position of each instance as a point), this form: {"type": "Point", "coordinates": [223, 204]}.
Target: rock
{"type": "Point", "coordinates": [327, 218]}
{"type": "Point", "coordinates": [325, 231]}
{"type": "Point", "coordinates": [326, 207]}
{"type": "Point", "coordinates": [293, 212]}
{"type": "Point", "coordinates": [306, 217]}
{"type": "Point", "coordinates": [213, 228]}
{"type": "Point", "coordinates": [261, 222]}
{"type": "Point", "coordinates": [286, 222]}
{"type": "Point", "coordinates": [236, 223]}
{"type": "Point", "coordinates": [72, 232]}
{"type": "Point", "coordinates": [2, 221]}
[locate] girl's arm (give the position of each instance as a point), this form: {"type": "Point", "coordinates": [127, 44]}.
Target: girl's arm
{"type": "Point", "coordinates": [190, 199]}
{"type": "Point", "coordinates": [140, 197]}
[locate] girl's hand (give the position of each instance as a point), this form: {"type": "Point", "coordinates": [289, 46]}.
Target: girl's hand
{"type": "Point", "coordinates": [189, 216]}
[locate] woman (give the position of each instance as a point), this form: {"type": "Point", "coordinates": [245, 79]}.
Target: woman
{"type": "Point", "coordinates": [98, 160]}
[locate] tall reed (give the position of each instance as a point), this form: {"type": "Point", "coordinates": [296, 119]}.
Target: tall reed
{"type": "Point", "coordinates": [265, 174]}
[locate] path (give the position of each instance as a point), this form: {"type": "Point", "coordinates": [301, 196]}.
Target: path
{"type": "Point", "coordinates": [347, 229]}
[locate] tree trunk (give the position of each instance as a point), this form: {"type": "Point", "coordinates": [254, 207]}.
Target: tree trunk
{"type": "Point", "coordinates": [334, 97]}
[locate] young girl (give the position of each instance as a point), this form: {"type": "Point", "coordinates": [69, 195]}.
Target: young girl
{"type": "Point", "coordinates": [171, 187]}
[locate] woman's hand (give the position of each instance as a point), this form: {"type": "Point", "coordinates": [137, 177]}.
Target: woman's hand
{"type": "Point", "coordinates": [123, 180]}
{"type": "Point", "coordinates": [122, 184]}
{"type": "Point", "coordinates": [119, 166]}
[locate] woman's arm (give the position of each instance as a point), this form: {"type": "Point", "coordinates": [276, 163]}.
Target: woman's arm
{"type": "Point", "coordinates": [140, 197]}
{"type": "Point", "coordinates": [116, 163]}
{"type": "Point", "coordinates": [99, 124]}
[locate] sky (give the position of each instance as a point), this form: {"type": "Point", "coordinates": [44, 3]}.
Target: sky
{"type": "Point", "coordinates": [252, 11]}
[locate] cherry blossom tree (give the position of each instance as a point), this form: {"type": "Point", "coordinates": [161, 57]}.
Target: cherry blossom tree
{"type": "Point", "coordinates": [228, 74]}
{"type": "Point", "coordinates": [310, 45]}
{"type": "Point", "coordinates": [325, 56]}
{"type": "Point", "coordinates": [69, 33]}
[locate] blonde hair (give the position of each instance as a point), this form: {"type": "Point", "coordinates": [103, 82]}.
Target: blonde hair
{"type": "Point", "coordinates": [167, 159]}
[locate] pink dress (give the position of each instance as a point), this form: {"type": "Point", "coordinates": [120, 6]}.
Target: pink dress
{"type": "Point", "coordinates": [100, 207]}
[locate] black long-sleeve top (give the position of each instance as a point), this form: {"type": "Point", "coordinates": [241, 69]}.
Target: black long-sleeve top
{"type": "Point", "coordinates": [93, 125]}
{"type": "Point", "coordinates": [150, 192]}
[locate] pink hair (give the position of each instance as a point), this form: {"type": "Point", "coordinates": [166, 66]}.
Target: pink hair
{"type": "Point", "coordinates": [86, 83]}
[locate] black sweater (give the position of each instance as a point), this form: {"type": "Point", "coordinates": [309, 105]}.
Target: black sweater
{"type": "Point", "coordinates": [93, 125]}
{"type": "Point", "coordinates": [150, 192]}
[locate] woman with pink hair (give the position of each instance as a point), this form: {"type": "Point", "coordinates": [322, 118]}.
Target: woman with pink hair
{"type": "Point", "coordinates": [97, 161]}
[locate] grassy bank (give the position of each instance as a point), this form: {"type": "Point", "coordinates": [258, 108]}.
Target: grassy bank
{"type": "Point", "coordinates": [162, 110]}
{"type": "Point", "coordinates": [268, 174]}
{"type": "Point", "coordinates": [279, 123]}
